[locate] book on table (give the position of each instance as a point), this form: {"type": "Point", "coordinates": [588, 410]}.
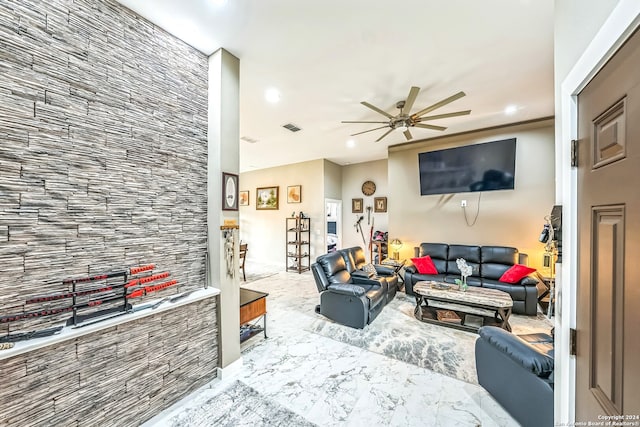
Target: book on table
{"type": "Point", "coordinates": [449, 316]}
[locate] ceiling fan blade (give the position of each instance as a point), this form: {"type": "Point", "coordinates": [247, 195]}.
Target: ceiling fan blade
{"type": "Point", "coordinates": [376, 109]}
{"type": "Point", "coordinates": [370, 130]}
{"type": "Point", "coordinates": [408, 135]}
{"type": "Point", "coordinates": [353, 121]}
{"type": "Point", "coordinates": [411, 98]}
{"type": "Point", "coordinates": [385, 134]}
{"type": "Point", "coordinates": [444, 116]}
{"type": "Point", "coordinates": [438, 104]}
{"type": "Point", "coordinates": [432, 127]}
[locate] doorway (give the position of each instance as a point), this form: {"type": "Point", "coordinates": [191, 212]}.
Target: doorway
{"type": "Point", "coordinates": [333, 225]}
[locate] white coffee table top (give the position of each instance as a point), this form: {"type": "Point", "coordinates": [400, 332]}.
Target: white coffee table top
{"type": "Point", "coordinates": [473, 295]}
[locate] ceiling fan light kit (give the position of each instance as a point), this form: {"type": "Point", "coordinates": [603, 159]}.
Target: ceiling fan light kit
{"type": "Point", "coordinates": [404, 120]}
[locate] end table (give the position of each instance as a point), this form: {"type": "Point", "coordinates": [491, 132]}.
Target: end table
{"type": "Point", "coordinates": [397, 265]}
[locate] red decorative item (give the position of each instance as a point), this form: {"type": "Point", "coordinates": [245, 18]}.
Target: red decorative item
{"type": "Point", "coordinates": [425, 265]}
{"type": "Point", "coordinates": [516, 273]}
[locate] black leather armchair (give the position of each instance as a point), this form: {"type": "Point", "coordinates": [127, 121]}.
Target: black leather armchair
{"type": "Point", "coordinates": [350, 300]}
{"type": "Point", "coordinates": [518, 372]}
{"type": "Point", "coordinates": [355, 260]}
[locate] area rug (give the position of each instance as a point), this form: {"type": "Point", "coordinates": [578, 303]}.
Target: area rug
{"type": "Point", "coordinates": [237, 405]}
{"type": "Point", "coordinates": [398, 334]}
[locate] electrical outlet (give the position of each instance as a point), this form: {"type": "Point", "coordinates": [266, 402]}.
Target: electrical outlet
{"type": "Point", "coordinates": [463, 204]}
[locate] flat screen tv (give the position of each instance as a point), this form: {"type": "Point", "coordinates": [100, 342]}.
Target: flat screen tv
{"type": "Point", "coordinates": [479, 167]}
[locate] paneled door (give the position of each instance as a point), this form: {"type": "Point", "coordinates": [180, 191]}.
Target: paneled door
{"type": "Point", "coordinates": [608, 306]}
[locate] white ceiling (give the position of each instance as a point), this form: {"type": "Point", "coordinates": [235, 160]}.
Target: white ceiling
{"type": "Point", "coordinates": [327, 56]}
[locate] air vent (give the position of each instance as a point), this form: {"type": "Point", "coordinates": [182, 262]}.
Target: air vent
{"type": "Point", "coordinates": [291, 127]}
{"type": "Point", "coordinates": [249, 139]}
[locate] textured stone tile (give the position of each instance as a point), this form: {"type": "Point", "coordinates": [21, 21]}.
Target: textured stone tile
{"type": "Point", "coordinates": [103, 131]}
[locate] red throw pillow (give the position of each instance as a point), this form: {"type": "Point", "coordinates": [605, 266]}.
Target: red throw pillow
{"type": "Point", "coordinates": [516, 273]}
{"type": "Point", "coordinates": [425, 265]}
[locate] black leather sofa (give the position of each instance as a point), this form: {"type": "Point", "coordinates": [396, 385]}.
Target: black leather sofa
{"type": "Point", "coordinates": [349, 295]}
{"type": "Point", "coordinates": [518, 372]}
{"type": "Point", "coordinates": [489, 264]}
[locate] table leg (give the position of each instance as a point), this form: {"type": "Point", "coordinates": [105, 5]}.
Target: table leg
{"type": "Point", "coordinates": [264, 324]}
{"type": "Point", "coordinates": [418, 310]}
{"type": "Point", "coordinates": [504, 314]}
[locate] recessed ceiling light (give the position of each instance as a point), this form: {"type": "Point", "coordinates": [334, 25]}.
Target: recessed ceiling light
{"type": "Point", "coordinates": [351, 143]}
{"type": "Point", "coordinates": [510, 110]}
{"type": "Point", "coordinates": [272, 95]}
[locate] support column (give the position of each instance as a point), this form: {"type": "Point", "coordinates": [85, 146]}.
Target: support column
{"type": "Point", "coordinates": [223, 156]}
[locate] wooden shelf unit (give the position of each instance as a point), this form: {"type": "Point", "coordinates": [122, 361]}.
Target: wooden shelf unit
{"type": "Point", "coordinates": [298, 237]}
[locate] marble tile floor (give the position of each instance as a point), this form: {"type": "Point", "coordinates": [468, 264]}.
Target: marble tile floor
{"type": "Point", "coordinates": [334, 382]}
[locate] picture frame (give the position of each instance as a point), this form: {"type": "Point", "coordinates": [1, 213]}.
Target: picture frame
{"type": "Point", "coordinates": [357, 205]}
{"type": "Point", "coordinates": [294, 194]}
{"type": "Point", "coordinates": [379, 204]}
{"type": "Point", "coordinates": [229, 191]}
{"type": "Point", "coordinates": [267, 198]}
{"type": "Point", "coordinates": [243, 198]}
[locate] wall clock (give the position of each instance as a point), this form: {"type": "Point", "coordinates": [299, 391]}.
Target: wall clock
{"type": "Point", "coordinates": [368, 188]}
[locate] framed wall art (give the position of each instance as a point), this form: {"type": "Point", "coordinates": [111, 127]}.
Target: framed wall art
{"type": "Point", "coordinates": [244, 198]}
{"type": "Point", "coordinates": [356, 205]}
{"type": "Point", "coordinates": [294, 194]}
{"type": "Point", "coordinates": [379, 204]}
{"type": "Point", "coordinates": [229, 192]}
{"type": "Point", "coordinates": [267, 198]}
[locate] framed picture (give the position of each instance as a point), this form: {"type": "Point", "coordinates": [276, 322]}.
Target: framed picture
{"type": "Point", "coordinates": [267, 198]}
{"type": "Point", "coordinates": [294, 194]}
{"type": "Point", "coordinates": [356, 205]}
{"type": "Point", "coordinates": [244, 198]}
{"type": "Point", "coordinates": [379, 204]}
{"type": "Point", "coordinates": [229, 192]}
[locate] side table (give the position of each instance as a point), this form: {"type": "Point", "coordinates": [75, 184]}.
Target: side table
{"type": "Point", "coordinates": [253, 305]}
{"type": "Point", "coordinates": [397, 265]}
{"type": "Point", "coordinates": [549, 295]}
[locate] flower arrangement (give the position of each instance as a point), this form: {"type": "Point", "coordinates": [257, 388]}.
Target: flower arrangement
{"type": "Point", "coordinates": [465, 271]}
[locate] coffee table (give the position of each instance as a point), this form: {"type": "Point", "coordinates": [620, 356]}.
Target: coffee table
{"type": "Point", "coordinates": [475, 307]}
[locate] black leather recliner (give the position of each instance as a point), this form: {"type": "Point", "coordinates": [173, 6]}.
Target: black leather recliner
{"type": "Point", "coordinates": [518, 372]}
{"type": "Point", "coordinates": [355, 259]}
{"type": "Point", "coordinates": [351, 300]}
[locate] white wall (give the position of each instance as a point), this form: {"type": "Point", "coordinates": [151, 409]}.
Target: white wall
{"type": "Point", "coordinates": [353, 176]}
{"type": "Point", "coordinates": [264, 230]}
{"type": "Point", "coordinates": [506, 218]}
{"type": "Point", "coordinates": [332, 180]}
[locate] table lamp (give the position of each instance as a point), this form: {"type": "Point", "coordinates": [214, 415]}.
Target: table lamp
{"type": "Point", "coordinates": [395, 244]}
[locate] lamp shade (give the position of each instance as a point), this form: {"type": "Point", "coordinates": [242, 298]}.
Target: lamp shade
{"type": "Point", "coordinates": [395, 246]}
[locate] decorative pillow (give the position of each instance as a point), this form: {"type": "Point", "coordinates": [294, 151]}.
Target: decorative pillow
{"type": "Point", "coordinates": [424, 265]}
{"type": "Point", "coordinates": [370, 269]}
{"type": "Point", "coordinates": [516, 273]}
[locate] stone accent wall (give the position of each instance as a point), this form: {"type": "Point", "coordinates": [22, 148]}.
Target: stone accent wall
{"type": "Point", "coordinates": [120, 376]}
{"type": "Point", "coordinates": [103, 166]}
{"type": "Point", "coordinates": [103, 157]}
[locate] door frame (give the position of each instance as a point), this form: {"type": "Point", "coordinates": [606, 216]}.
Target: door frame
{"type": "Point", "coordinates": [621, 23]}
{"type": "Point", "coordinates": [338, 202]}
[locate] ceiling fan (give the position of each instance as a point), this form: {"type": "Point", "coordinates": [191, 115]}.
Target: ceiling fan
{"type": "Point", "coordinates": [404, 120]}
